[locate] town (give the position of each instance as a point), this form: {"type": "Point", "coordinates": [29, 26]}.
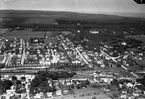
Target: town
{"type": "Point", "coordinates": [54, 65]}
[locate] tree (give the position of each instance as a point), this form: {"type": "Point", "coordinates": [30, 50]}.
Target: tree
{"type": "Point", "coordinates": [44, 86]}
{"type": "Point", "coordinates": [114, 82]}
{"type": "Point", "coordinates": [7, 84]}
{"type": "Point", "coordinates": [18, 82]}
{"type": "Point", "coordinates": [14, 78]}
{"type": "Point", "coordinates": [0, 77]}
{"type": "Point", "coordinates": [33, 90]}
{"type": "Point", "coordinates": [23, 78]}
{"type": "Point", "coordinates": [41, 80]}
{"type": "Point", "coordinates": [79, 86]}
{"type": "Point", "coordinates": [1, 87]}
{"type": "Point", "coordinates": [141, 80]}
{"type": "Point", "coordinates": [87, 82]}
{"type": "Point", "coordinates": [34, 83]}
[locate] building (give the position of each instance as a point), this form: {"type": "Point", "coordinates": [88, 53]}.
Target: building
{"type": "Point", "coordinates": [59, 93]}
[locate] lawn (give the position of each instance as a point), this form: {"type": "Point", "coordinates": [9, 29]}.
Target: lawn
{"type": "Point", "coordinates": [141, 62]}
{"type": "Point", "coordinates": [2, 31]}
{"type": "Point", "coordinates": [28, 33]}
{"type": "Point", "coordinates": [86, 93]}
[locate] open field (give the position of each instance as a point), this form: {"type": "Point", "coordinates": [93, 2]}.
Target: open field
{"type": "Point", "coordinates": [137, 37]}
{"type": "Point", "coordinates": [2, 31]}
{"type": "Point", "coordinates": [25, 34]}
{"type": "Point", "coordinates": [28, 33]}
{"type": "Point", "coordinates": [87, 93]}
{"type": "Point", "coordinates": [142, 62]}
{"type": "Point", "coordinates": [40, 21]}
{"type": "Point", "coordinates": [118, 70]}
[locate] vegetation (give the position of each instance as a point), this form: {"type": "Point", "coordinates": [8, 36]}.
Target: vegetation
{"type": "Point", "coordinates": [5, 85]}
{"type": "Point", "coordinates": [40, 82]}
{"type": "Point", "coordinates": [142, 81]}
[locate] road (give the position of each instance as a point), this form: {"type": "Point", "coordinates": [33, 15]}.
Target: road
{"type": "Point", "coordinates": [2, 44]}
{"type": "Point", "coordinates": [8, 59]}
{"type": "Point", "coordinates": [83, 57]}
{"type": "Point", "coordinates": [135, 75]}
{"type": "Point", "coordinates": [23, 53]}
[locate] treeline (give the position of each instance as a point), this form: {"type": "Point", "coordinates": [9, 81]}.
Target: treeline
{"type": "Point", "coordinates": [55, 75]}
{"type": "Point", "coordinates": [68, 66]}
{"type": "Point", "coordinates": [65, 24]}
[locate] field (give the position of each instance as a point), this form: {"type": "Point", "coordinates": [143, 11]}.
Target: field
{"type": "Point", "coordinates": [28, 33]}
{"type": "Point", "coordinates": [142, 62]}
{"type": "Point", "coordinates": [87, 93]}
{"type": "Point", "coordinates": [25, 34]}
{"type": "Point", "coordinates": [137, 37]}
{"type": "Point", "coordinates": [3, 31]}
{"type": "Point", "coordinates": [40, 21]}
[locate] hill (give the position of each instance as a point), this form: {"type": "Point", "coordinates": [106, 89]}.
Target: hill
{"type": "Point", "coordinates": [59, 16]}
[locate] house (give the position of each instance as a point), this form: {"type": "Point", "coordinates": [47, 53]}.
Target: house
{"type": "Point", "coordinates": [135, 94]}
{"type": "Point", "coordinates": [10, 92]}
{"type": "Point", "coordinates": [123, 96]}
{"type": "Point", "coordinates": [4, 96]}
{"type": "Point", "coordinates": [65, 91]}
{"type": "Point", "coordinates": [129, 85]}
{"type": "Point", "coordinates": [49, 94]}
{"type": "Point", "coordinates": [94, 32]}
{"type": "Point", "coordinates": [76, 62]}
{"type": "Point", "coordinates": [59, 93]}
{"type": "Point", "coordinates": [68, 83]}
{"type": "Point", "coordinates": [38, 96]}
{"type": "Point", "coordinates": [103, 66]}
{"type": "Point", "coordinates": [107, 80]}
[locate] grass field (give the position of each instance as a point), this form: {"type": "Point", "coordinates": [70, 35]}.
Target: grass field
{"type": "Point", "coordinates": [27, 34]}
{"type": "Point", "coordinates": [118, 70]}
{"type": "Point", "coordinates": [40, 21]}
{"type": "Point", "coordinates": [87, 93]}
{"type": "Point", "coordinates": [137, 37]}
{"type": "Point", "coordinates": [2, 31]}
{"type": "Point", "coordinates": [142, 62]}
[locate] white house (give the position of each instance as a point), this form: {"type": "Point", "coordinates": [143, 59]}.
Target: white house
{"type": "Point", "coordinates": [38, 96]}
{"type": "Point", "coordinates": [49, 94]}
{"type": "Point", "coordinates": [59, 93]}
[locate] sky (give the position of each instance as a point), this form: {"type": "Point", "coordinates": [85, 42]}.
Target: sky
{"type": "Point", "coordinates": [88, 6]}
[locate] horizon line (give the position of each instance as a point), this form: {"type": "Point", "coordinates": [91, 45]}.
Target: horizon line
{"type": "Point", "coordinates": [121, 14]}
{"type": "Point", "coordinates": [70, 11]}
